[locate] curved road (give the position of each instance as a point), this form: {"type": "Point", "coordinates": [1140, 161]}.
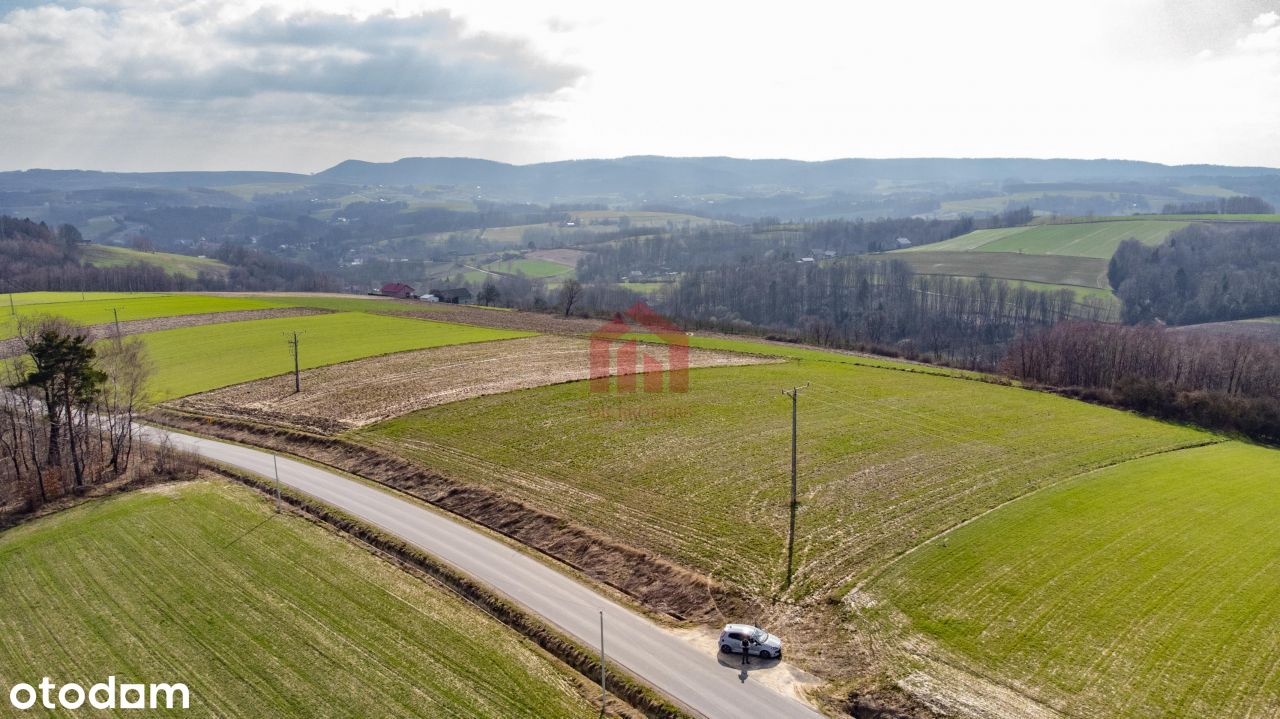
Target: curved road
{"type": "Point", "coordinates": [691, 677]}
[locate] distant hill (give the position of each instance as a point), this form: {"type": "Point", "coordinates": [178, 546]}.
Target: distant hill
{"type": "Point", "coordinates": [654, 176]}
{"type": "Point", "coordinates": [94, 180]}
{"type": "Point", "coordinates": [185, 265]}
{"type": "Point", "coordinates": [640, 174]}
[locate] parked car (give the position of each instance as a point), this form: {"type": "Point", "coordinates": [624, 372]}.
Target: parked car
{"type": "Point", "coordinates": [763, 644]}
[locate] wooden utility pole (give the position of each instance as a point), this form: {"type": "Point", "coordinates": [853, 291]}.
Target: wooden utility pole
{"type": "Point", "coordinates": [297, 375]}
{"type": "Point", "coordinates": [12, 310]}
{"type": "Point", "coordinates": [115, 313]}
{"type": "Point", "coordinates": [794, 394]}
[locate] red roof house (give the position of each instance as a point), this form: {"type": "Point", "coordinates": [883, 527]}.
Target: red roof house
{"type": "Point", "coordinates": [397, 289]}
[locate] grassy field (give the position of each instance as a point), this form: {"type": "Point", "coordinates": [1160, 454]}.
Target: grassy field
{"type": "Point", "coordinates": [205, 357]}
{"type": "Point", "coordinates": [647, 288]}
{"type": "Point", "coordinates": [1205, 217]}
{"type": "Point", "coordinates": [185, 265]}
{"type": "Point", "coordinates": [97, 227]}
{"type": "Point", "coordinates": [45, 298]}
{"type": "Point", "coordinates": [999, 203]}
{"type": "Point", "coordinates": [529, 268]}
{"type": "Point", "coordinates": [1045, 269]}
{"type": "Point", "coordinates": [1098, 239]}
{"type": "Point", "coordinates": [97, 308]}
{"type": "Point", "coordinates": [1084, 239]}
{"type": "Point", "coordinates": [1149, 589]}
{"type": "Point", "coordinates": [888, 459]}
{"type": "Point", "coordinates": [289, 621]}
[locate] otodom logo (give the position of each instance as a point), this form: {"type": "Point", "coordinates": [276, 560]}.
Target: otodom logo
{"type": "Point", "coordinates": [616, 360]}
{"type": "Point", "coordinates": [104, 695]}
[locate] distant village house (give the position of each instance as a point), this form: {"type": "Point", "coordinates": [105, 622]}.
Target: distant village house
{"type": "Point", "coordinates": [397, 289]}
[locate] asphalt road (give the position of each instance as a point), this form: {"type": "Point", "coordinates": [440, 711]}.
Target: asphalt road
{"type": "Point", "coordinates": [691, 676]}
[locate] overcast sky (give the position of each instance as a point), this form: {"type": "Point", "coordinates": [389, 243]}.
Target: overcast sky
{"type": "Point", "coordinates": [300, 86]}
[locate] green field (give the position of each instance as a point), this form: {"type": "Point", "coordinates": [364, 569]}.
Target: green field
{"type": "Point", "coordinates": [1081, 272]}
{"type": "Point", "coordinates": [529, 268]}
{"type": "Point", "coordinates": [288, 621]}
{"type": "Point", "coordinates": [1206, 217]}
{"type": "Point", "coordinates": [97, 308]}
{"type": "Point", "coordinates": [1000, 203]}
{"type": "Point", "coordinates": [1208, 191]}
{"type": "Point", "coordinates": [44, 298]}
{"type": "Point", "coordinates": [1083, 239]}
{"type": "Point", "coordinates": [204, 357]}
{"type": "Point", "coordinates": [888, 459]}
{"type": "Point", "coordinates": [97, 227]}
{"type": "Point", "coordinates": [647, 288]}
{"type": "Point", "coordinates": [1149, 589]}
{"type": "Point", "coordinates": [184, 265]}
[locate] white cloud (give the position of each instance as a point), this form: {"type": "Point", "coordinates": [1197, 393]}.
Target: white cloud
{"type": "Point", "coordinates": [192, 51]}
{"type": "Point", "coordinates": [1266, 19]}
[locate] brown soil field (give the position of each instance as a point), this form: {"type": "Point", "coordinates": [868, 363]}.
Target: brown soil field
{"type": "Point", "coordinates": [338, 398]}
{"type": "Point", "coordinates": [13, 346]}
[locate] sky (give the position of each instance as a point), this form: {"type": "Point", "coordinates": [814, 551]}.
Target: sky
{"type": "Point", "coordinates": [135, 85]}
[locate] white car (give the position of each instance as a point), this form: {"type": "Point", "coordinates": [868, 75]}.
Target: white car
{"type": "Point", "coordinates": [762, 643]}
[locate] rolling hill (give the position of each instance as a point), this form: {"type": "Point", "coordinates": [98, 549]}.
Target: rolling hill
{"type": "Point", "coordinates": [185, 265]}
{"type": "Point", "coordinates": [1077, 239]}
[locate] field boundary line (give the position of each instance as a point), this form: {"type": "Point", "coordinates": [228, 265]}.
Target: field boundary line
{"type": "Point", "coordinates": [862, 584]}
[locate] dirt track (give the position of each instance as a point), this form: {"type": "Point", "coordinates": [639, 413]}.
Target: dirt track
{"type": "Point", "coordinates": [13, 346]}
{"type": "Point", "coordinates": [341, 397]}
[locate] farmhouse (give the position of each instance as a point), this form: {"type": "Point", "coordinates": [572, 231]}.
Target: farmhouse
{"type": "Point", "coordinates": [397, 289]}
{"type": "Point", "coordinates": [902, 242]}
{"type": "Point", "coordinates": [461, 295]}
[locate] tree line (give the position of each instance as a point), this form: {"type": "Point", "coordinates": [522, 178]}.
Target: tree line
{"type": "Point", "coordinates": [1237, 205]}
{"type": "Point", "coordinates": [1229, 383]}
{"type": "Point", "coordinates": [1202, 273]}
{"type": "Point", "coordinates": [871, 304]}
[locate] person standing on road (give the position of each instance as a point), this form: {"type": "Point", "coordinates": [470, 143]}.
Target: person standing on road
{"type": "Point", "coordinates": [746, 649]}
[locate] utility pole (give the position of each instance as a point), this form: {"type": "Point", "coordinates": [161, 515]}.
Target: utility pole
{"type": "Point", "coordinates": [603, 692]}
{"type": "Point", "coordinates": [275, 465]}
{"type": "Point", "coordinates": [12, 310]}
{"type": "Point", "coordinates": [115, 313]}
{"type": "Point", "coordinates": [794, 394]}
{"type": "Point", "coordinates": [297, 376]}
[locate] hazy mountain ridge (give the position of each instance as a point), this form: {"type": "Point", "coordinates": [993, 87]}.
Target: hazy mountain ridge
{"type": "Point", "coordinates": [649, 174]}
